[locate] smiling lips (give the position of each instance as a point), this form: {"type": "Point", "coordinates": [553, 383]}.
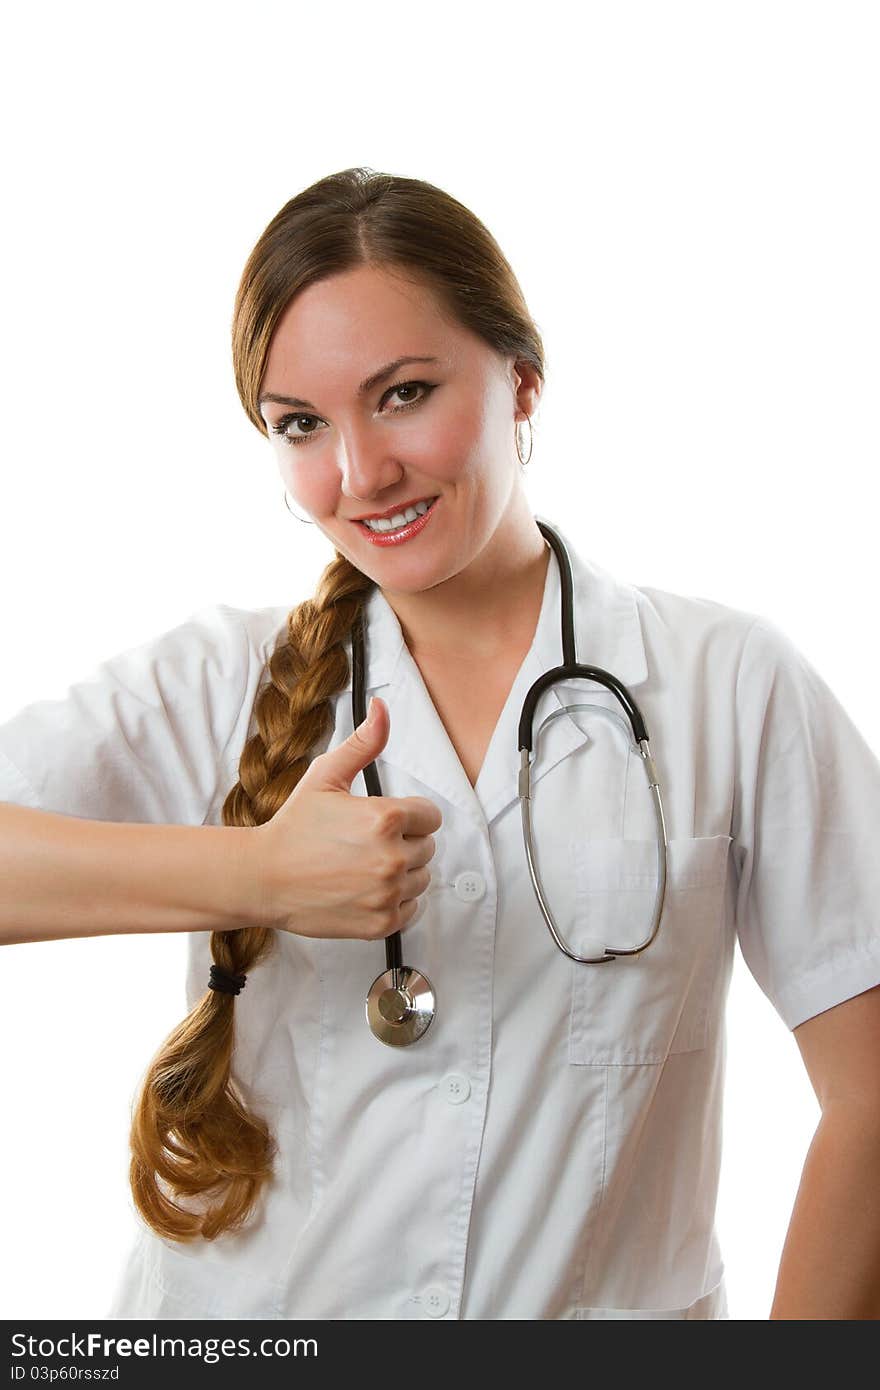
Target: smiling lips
{"type": "Point", "coordinates": [392, 521]}
{"type": "Point", "coordinates": [399, 509]}
{"type": "Point", "coordinates": [401, 527]}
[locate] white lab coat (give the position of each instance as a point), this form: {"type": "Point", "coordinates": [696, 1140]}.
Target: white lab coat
{"type": "Point", "coordinates": [550, 1148]}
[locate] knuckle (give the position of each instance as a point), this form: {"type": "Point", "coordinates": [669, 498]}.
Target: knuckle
{"type": "Point", "coordinates": [387, 922]}
{"type": "Point", "coordinates": [391, 820]}
{"type": "Point", "coordinates": [393, 866]}
{"type": "Point", "coordinates": [385, 898]}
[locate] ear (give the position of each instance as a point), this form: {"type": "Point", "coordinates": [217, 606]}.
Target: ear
{"type": "Point", "coordinates": [527, 386]}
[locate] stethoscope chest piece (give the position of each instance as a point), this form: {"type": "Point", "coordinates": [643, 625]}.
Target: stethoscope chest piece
{"type": "Point", "coordinates": [400, 1005]}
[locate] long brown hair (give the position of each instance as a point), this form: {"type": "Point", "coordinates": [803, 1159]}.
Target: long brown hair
{"type": "Point", "coordinates": [192, 1136]}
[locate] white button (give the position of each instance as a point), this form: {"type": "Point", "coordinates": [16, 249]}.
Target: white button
{"type": "Point", "coordinates": [470, 886]}
{"type": "Point", "coordinates": [455, 1088]}
{"type": "Point", "coordinates": [435, 1301]}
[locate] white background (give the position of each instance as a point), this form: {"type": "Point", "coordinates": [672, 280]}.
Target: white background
{"type": "Point", "coordinates": [688, 195]}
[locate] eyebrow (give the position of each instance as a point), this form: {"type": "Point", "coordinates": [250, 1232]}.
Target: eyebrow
{"type": "Point", "coordinates": [375, 379]}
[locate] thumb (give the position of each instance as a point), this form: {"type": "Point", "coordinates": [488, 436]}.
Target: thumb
{"type": "Point", "coordinates": [337, 769]}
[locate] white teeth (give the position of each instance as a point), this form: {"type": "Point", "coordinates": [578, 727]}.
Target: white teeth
{"type": "Point", "coordinates": [394, 523]}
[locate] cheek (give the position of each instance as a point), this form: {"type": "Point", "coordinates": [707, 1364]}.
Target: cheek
{"type": "Point", "coordinates": [451, 443]}
{"type": "Point", "coordinates": [314, 486]}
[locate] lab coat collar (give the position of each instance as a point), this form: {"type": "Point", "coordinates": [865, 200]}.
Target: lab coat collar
{"type": "Point", "coordinates": [608, 634]}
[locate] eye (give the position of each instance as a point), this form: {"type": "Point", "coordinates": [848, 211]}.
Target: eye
{"type": "Point", "coordinates": [280, 427]}
{"type": "Point", "coordinates": [410, 386]}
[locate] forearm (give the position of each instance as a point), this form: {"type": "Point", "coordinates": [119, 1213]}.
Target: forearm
{"type": "Point", "coordinates": [830, 1266]}
{"type": "Point", "coordinates": [62, 876]}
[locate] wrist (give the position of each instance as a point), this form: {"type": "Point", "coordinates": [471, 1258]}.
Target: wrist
{"type": "Point", "coordinates": [255, 868]}
{"type": "Point", "coordinates": [243, 878]}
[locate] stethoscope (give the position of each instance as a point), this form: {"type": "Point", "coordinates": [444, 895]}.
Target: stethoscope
{"type": "Point", "coordinates": [400, 1004]}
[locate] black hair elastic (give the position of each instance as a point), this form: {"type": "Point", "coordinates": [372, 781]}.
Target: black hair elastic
{"type": "Point", "coordinates": [226, 983]}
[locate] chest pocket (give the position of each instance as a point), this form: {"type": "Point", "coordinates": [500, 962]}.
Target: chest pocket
{"type": "Point", "coordinates": [643, 1008]}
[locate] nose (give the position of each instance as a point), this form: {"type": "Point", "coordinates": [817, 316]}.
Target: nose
{"type": "Point", "coordinates": [366, 468]}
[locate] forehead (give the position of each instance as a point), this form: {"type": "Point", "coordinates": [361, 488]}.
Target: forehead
{"type": "Point", "coordinates": [354, 321]}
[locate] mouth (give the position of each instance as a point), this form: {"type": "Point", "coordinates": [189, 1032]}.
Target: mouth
{"type": "Point", "coordinates": [399, 527]}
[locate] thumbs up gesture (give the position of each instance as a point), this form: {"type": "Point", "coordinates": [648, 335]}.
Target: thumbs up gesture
{"type": "Point", "coordinates": [335, 865]}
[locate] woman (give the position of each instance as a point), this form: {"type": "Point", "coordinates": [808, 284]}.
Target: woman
{"type": "Point", "coordinates": [549, 1146]}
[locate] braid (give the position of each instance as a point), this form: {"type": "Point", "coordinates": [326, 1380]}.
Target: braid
{"type": "Point", "coordinates": [191, 1128]}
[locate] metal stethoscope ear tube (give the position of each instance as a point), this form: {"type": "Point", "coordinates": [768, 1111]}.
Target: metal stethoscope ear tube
{"type": "Point", "coordinates": [400, 1004]}
{"type": "Point", "coordinates": [599, 953]}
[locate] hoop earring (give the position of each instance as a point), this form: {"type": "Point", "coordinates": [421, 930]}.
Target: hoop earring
{"type": "Point", "coordinates": [528, 420]}
{"type": "Point", "coordinates": [306, 519]}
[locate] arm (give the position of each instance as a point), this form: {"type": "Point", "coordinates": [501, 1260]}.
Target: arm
{"type": "Point", "coordinates": [830, 1266]}
{"type": "Point", "coordinates": [63, 876]}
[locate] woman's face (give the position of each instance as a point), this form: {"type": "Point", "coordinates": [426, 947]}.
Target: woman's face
{"type": "Point", "coordinates": [441, 429]}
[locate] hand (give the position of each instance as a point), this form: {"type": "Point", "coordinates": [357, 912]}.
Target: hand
{"type": "Point", "coordinates": [335, 865]}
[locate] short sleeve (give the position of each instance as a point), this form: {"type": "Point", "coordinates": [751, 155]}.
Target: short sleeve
{"type": "Point", "coordinates": [142, 737]}
{"type": "Point", "coordinates": [806, 816]}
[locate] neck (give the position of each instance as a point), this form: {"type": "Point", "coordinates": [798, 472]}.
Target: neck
{"type": "Point", "coordinates": [486, 609]}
